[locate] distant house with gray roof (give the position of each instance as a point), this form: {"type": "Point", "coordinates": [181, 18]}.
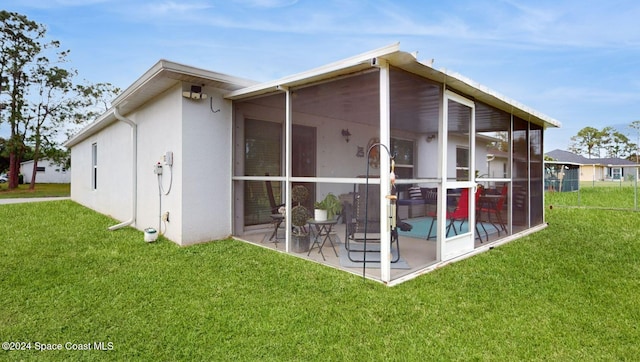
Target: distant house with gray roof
{"type": "Point", "coordinates": [590, 169]}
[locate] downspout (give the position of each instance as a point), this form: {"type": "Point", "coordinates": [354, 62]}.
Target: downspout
{"type": "Point", "coordinates": [134, 170]}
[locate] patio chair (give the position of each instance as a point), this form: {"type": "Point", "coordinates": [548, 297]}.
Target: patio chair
{"type": "Point", "coordinates": [357, 227]}
{"type": "Point", "coordinates": [494, 207]}
{"type": "Point", "coordinates": [272, 200]}
{"type": "Point", "coordinates": [460, 213]}
{"type": "Point", "coordinates": [276, 218]}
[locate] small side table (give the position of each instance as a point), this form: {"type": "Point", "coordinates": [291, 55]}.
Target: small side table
{"type": "Point", "coordinates": [322, 232]}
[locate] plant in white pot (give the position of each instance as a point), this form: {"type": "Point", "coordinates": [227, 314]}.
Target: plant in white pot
{"type": "Point", "coordinates": [328, 208]}
{"type": "Point", "coordinates": [299, 217]}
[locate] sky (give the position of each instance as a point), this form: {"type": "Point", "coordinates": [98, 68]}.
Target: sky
{"type": "Point", "coordinates": [575, 61]}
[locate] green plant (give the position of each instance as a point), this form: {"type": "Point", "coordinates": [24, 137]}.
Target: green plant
{"type": "Point", "coordinates": [331, 203]}
{"type": "Point", "coordinates": [299, 216]}
{"type": "Point", "coordinates": [299, 213]}
{"type": "Point", "coordinates": [299, 194]}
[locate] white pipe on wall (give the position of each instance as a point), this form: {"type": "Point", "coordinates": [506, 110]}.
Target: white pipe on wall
{"type": "Point", "coordinates": [134, 170]}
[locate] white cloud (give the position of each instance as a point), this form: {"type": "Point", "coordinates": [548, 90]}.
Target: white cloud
{"type": "Point", "coordinates": [266, 3]}
{"type": "Point", "coordinates": [170, 8]}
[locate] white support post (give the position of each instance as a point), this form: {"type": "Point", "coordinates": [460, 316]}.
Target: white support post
{"type": "Point", "coordinates": [385, 164]}
{"type": "Point", "coordinates": [287, 172]}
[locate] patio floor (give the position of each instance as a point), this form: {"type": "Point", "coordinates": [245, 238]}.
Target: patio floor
{"type": "Point", "coordinates": [415, 253]}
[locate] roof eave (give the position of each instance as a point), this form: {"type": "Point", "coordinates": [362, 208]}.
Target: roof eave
{"type": "Point", "coordinates": [345, 66]}
{"type": "Point", "coordinates": [161, 76]}
{"type": "Point", "coordinates": [405, 61]}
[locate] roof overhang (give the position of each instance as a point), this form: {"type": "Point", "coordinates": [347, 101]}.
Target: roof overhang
{"type": "Point", "coordinates": [407, 62]}
{"type": "Point", "coordinates": [160, 77]}
{"type": "Point", "coordinates": [563, 163]}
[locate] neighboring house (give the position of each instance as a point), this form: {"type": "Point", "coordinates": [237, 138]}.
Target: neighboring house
{"type": "Point", "coordinates": [189, 151]}
{"type": "Point", "coordinates": [593, 169]}
{"type": "Point", "coordinates": [47, 172]}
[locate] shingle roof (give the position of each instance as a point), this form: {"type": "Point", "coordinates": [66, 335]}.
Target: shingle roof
{"type": "Point", "coordinates": [569, 157]}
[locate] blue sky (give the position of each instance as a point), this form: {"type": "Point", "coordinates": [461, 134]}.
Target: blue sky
{"type": "Point", "coordinates": [576, 61]}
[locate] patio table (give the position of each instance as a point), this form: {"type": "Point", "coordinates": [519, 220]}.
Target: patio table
{"type": "Point", "coordinates": [323, 232]}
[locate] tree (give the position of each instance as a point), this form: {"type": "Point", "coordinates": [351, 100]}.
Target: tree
{"type": "Point", "coordinates": [618, 144]}
{"type": "Point", "coordinates": [51, 108]}
{"type": "Point", "coordinates": [587, 141]}
{"type": "Point", "coordinates": [20, 43]}
{"type": "Point", "coordinates": [635, 125]}
{"type": "Point", "coordinates": [42, 97]}
{"type": "Point", "coordinates": [98, 100]}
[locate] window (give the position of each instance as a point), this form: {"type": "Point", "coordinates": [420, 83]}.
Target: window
{"type": "Point", "coordinates": [40, 169]}
{"type": "Point", "coordinates": [263, 155]}
{"type": "Point", "coordinates": [403, 152]}
{"type": "Point", "coordinates": [94, 166]}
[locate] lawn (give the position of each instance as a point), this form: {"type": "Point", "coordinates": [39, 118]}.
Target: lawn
{"type": "Point", "coordinates": [567, 293]}
{"type": "Point", "coordinates": [611, 197]}
{"type": "Point", "coordinates": [41, 190]}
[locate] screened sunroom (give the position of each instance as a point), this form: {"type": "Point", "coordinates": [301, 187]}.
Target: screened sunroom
{"type": "Point", "coordinates": [428, 167]}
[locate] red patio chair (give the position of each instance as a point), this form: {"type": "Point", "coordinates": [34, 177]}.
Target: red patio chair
{"type": "Point", "coordinates": [460, 213]}
{"type": "Point", "coordinates": [495, 208]}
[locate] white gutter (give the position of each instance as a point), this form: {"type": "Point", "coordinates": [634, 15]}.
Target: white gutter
{"type": "Point", "coordinates": [134, 170]}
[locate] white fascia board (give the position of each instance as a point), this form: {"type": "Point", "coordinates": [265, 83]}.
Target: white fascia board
{"type": "Point", "coordinates": [101, 122]}
{"type": "Point", "coordinates": [164, 65]}
{"type": "Point", "coordinates": [163, 68]}
{"type": "Point", "coordinates": [316, 74]}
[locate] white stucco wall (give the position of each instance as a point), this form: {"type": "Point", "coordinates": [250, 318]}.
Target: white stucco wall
{"type": "Point", "coordinates": [196, 189]}
{"type": "Point", "coordinates": [159, 131]}
{"type": "Point", "coordinates": [206, 163]}
{"type": "Point", "coordinates": [53, 173]}
{"type": "Point", "coordinates": [113, 195]}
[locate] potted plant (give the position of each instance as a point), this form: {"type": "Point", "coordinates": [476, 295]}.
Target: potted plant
{"type": "Point", "coordinates": [299, 217]}
{"type": "Point", "coordinates": [328, 208]}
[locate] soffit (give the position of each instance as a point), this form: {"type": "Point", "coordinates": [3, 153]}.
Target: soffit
{"type": "Point", "coordinates": [164, 75]}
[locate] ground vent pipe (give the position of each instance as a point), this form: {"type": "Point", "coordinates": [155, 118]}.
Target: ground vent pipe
{"type": "Point", "coordinates": [134, 170]}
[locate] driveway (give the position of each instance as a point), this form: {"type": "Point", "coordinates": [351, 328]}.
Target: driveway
{"type": "Point", "coordinates": [31, 199]}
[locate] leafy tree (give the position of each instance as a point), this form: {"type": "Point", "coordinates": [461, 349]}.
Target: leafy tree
{"type": "Point", "coordinates": [20, 43]}
{"type": "Point", "coordinates": [98, 100]}
{"type": "Point", "coordinates": [52, 107]}
{"type": "Point", "coordinates": [635, 125]}
{"type": "Point", "coordinates": [587, 141]}
{"type": "Point", "coordinates": [41, 95]}
{"type": "Point", "coordinates": [618, 144]}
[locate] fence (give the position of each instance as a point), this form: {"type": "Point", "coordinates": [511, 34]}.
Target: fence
{"type": "Point", "coordinates": [619, 192]}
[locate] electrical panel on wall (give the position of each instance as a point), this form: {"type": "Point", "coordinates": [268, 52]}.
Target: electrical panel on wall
{"type": "Point", "coordinates": [168, 158]}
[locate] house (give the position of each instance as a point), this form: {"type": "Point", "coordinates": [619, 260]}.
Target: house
{"type": "Point", "coordinates": [196, 154]}
{"type": "Point", "coordinates": [47, 171]}
{"type": "Point", "coordinates": [582, 169]}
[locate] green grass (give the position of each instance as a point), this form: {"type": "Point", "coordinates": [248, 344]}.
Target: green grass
{"type": "Point", "coordinates": [567, 293]}
{"type": "Point", "coordinates": [41, 190]}
{"type": "Point", "coordinates": [600, 197]}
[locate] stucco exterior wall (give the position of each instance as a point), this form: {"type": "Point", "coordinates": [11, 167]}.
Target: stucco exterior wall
{"type": "Point", "coordinates": [194, 189]}
{"type": "Point", "coordinates": [113, 196]}
{"type": "Point", "coordinates": [591, 173]}
{"type": "Point", "coordinates": [206, 169]}
{"type": "Point", "coordinates": [53, 173]}
{"type": "Point", "coordinates": [159, 131]}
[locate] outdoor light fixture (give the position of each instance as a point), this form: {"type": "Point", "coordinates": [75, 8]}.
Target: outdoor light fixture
{"type": "Point", "coordinates": [194, 93]}
{"type": "Point", "coordinates": [346, 134]}
{"type": "Point", "coordinates": [430, 137]}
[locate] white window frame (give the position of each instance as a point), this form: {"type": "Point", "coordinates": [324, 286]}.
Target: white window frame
{"type": "Point", "coordinates": [94, 166]}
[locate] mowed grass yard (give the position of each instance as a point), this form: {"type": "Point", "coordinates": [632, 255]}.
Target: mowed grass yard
{"type": "Point", "coordinates": [40, 190]}
{"type": "Point", "coordinates": [567, 293]}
